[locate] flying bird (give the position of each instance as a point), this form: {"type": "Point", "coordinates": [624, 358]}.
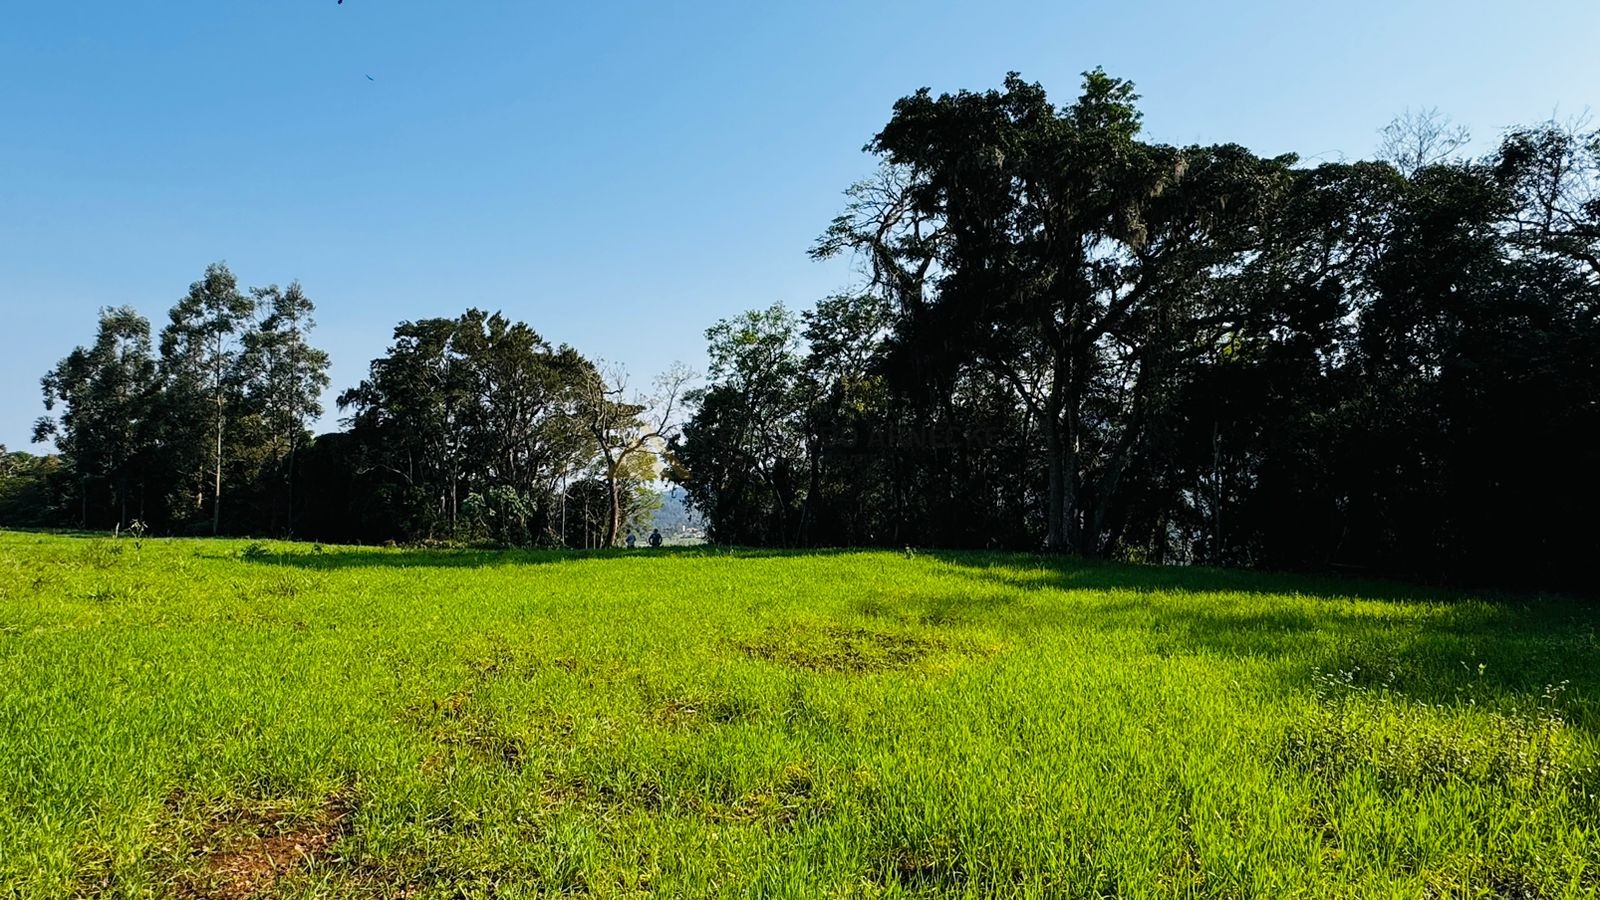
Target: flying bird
{"type": "Point", "coordinates": [370, 78]}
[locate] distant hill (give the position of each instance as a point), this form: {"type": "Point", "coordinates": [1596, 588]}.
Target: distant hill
{"type": "Point", "coordinates": [677, 522]}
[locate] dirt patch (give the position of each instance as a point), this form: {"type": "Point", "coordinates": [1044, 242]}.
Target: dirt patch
{"type": "Point", "coordinates": [256, 848]}
{"type": "Point", "coordinates": [839, 649]}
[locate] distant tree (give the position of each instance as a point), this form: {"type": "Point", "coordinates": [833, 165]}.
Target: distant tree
{"type": "Point", "coordinates": [741, 454]}
{"type": "Point", "coordinates": [473, 405]}
{"type": "Point", "coordinates": [105, 394]}
{"type": "Point", "coordinates": [284, 377]}
{"type": "Point", "coordinates": [629, 432]}
{"type": "Point", "coordinates": [27, 488]}
{"type": "Point", "coordinates": [523, 420]}
{"type": "Point", "coordinates": [1419, 138]}
{"type": "Point", "coordinates": [584, 521]}
{"type": "Point", "coordinates": [201, 348]}
{"type": "Point", "coordinates": [408, 422]}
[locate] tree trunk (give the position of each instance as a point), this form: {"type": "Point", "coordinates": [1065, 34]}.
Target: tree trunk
{"type": "Point", "coordinates": [1216, 494]}
{"type": "Point", "coordinates": [216, 497]}
{"type": "Point", "coordinates": [1055, 539]}
{"type": "Point", "coordinates": [288, 521]}
{"type": "Point", "coordinates": [615, 524]}
{"type": "Point", "coordinates": [813, 481]}
{"type": "Point", "coordinates": [1060, 425]}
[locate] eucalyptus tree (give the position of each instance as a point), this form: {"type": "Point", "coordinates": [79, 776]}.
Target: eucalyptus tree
{"type": "Point", "coordinates": [284, 377]}
{"type": "Point", "coordinates": [201, 348]}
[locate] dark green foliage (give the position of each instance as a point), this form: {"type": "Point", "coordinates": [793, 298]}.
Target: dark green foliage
{"type": "Point", "coordinates": [1067, 337]}
{"type": "Point", "coordinates": [1072, 338]}
{"type": "Point", "coordinates": [468, 429]}
{"type": "Point", "coordinates": [166, 439]}
{"type": "Point", "coordinates": [746, 444]}
{"type": "Point", "coordinates": [109, 425]}
{"type": "Point", "coordinates": [28, 489]}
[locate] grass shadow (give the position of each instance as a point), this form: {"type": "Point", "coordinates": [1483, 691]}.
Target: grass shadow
{"type": "Point", "coordinates": [329, 558]}
{"type": "Point", "coordinates": [1434, 646]}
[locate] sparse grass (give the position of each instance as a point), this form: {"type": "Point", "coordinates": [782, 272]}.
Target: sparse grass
{"type": "Point", "coordinates": [232, 719]}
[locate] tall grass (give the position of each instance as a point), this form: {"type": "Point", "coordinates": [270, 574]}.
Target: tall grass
{"type": "Point", "coordinates": [218, 718]}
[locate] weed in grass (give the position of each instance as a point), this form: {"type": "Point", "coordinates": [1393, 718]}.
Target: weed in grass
{"type": "Point", "coordinates": [255, 551]}
{"type": "Point", "coordinates": [1405, 745]}
{"type": "Point", "coordinates": [455, 722]}
{"type": "Point", "coordinates": [789, 799]}
{"type": "Point", "coordinates": [101, 553]}
{"type": "Point", "coordinates": [108, 593]}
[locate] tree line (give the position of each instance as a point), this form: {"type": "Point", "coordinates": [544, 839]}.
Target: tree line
{"type": "Point", "coordinates": [1065, 337]}
{"type": "Point", "coordinates": [1069, 337]}
{"type": "Point", "coordinates": [471, 428]}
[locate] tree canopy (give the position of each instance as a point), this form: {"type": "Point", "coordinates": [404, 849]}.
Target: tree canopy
{"type": "Point", "coordinates": [1065, 337]}
{"type": "Point", "coordinates": [1072, 338]}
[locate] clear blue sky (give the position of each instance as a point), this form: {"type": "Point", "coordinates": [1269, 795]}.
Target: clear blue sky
{"type": "Point", "coordinates": [618, 175]}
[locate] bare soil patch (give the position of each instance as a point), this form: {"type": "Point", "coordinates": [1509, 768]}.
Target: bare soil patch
{"type": "Point", "coordinates": [259, 847]}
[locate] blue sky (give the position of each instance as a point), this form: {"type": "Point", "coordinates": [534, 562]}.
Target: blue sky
{"type": "Point", "coordinates": [618, 175]}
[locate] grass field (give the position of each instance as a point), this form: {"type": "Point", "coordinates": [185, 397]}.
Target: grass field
{"type": "Point", "coordinates": [215, 718]}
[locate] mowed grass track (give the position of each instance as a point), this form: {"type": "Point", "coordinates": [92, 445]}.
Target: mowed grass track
{"type": "Point", "coordinates": [214, 718]}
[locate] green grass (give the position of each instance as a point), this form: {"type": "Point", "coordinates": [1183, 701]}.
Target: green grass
{"type": "Point", "coordinates": [694, 723]}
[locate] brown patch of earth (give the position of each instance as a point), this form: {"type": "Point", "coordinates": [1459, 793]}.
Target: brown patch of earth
{"type": "Point", "coordinates": [251, 866]}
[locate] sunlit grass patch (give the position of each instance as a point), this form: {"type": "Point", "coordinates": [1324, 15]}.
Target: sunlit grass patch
{"type": "Point", "coordinates": [834, 648]}
{"type": "Point", "coordinates": [702, 723]}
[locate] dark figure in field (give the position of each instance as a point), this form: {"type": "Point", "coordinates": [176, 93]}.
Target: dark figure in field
{"type": "Point", "coordinates": [630, 540]}
{"type": "Point", "coordinates": [655, 538]}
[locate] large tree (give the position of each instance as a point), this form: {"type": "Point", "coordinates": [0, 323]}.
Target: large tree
{"type": "Point", "coordinates": [741, 455]}
{"type": "Point", "coordinates": [201, 348]}
{"type": "Point", "coordinates": [630, 432]}
{"type": "Point", "coordinates": [104, 396]}
{"type": "Point", "coordinates": [478, 406]}
{"type": "Point", "coordinates": [1029, 241]}
{"type": "Point", "coordinates": [284, 379]}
